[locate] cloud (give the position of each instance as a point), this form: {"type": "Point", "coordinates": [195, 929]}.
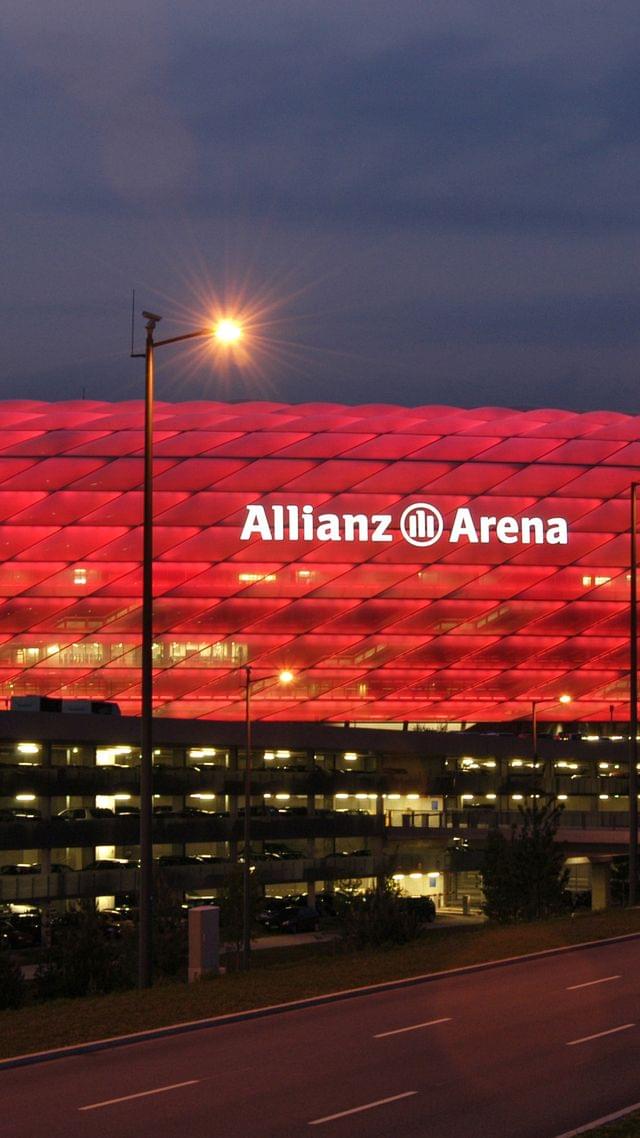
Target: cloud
{"type": "Point", "coordinates": [457, 181]}
{"type": "Point", "coordinates": [303, 113]}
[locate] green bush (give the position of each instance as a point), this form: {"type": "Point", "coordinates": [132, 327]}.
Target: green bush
{"type": "Point", "coordinates": [83, 961]}
{"type": "Point", "coordinates": [379, 918]}
{"type": "Point", "coordinates": [12, 985]}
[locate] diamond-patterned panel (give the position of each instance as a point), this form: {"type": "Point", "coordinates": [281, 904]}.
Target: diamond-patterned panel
{"type": "Point", "coordinates": [345, 543]}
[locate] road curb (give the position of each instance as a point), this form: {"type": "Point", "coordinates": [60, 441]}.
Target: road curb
{"type": "Point", "coordinates": [296, 1005]}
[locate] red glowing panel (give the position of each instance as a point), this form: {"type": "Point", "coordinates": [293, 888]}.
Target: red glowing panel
{"type": "Point", "coordinates": [412, 610]}
{"type": "Point", "coordinates": [20, 577]}
{"type": "Point", "coordinates": [53, 473]}
{"type": "Point", "coordinates": [12, 502]}
{"type": "Point", "coordinates": [62, 508]}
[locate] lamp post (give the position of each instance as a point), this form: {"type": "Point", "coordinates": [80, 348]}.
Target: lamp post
{"type": "Point", "coordinates": [534, 732]}
{"type": "Point", "coordinates": [285, 677]}
{"type": "Point", "coordinates": [226, 332]}
{"type": "Point", "coordinates": [633, 698]}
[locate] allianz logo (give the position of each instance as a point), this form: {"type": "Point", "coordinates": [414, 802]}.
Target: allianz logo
{"type": "Point", "coordinates": [420, 524]}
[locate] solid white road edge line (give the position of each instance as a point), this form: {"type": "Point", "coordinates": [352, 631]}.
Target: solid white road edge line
{"type": "Point", "coordinates": [597, 1122]}
{"type": "Point", "coordinates": [139, 1094]}
{"type": "Point", "coordinates": [414, 1027]}
{"type": "Point", "coordinates": [357, 1109]}
{"type": "Point", "coordinates": [599, 1034]}
{"type": "Point", "coordinates": [153, 1033]}
{"type": "Point", "coordinates": [590, 983]}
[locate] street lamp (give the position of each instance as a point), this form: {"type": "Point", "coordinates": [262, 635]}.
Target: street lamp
{"type": "Point", "coordinates": [284, 677]}
{"type": "Point", "coordinates": [534, 730]}
{"type": "Point", "coordinates": [225, 332]}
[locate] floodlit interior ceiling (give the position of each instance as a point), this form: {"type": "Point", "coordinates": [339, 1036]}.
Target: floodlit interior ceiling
{"type": "Point", "coordinates": [345, 543]}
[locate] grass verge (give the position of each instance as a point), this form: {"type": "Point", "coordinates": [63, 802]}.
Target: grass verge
{"type": "Point", "coordinates": [624, 1128]}
{"type": "Point", "coordinates": [278, 977]}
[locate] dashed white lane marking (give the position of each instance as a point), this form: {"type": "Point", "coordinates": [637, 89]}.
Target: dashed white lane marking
{"type": "Point", "coordinates": [139, 1094]}
{"type": "Point", "coordinates": [357, 1109]}
{"type": "Point", "coordinates": [599, 1034]}
{"type": "Point", "coordinates": [590, 983]}
{"type": "Point", "coordinates": [413, 1027]}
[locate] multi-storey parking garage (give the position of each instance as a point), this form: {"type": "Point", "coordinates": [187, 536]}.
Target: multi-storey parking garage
{"type": "Point", "coordinates": [414, 804]}
{"type": "Point", "coordinates": [421, 567]}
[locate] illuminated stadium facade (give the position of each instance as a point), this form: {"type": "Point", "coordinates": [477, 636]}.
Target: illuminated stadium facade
{"type": "Point", "coordinates": [420, 566]}
{"type": "Point", "coordinates": [416, 564]}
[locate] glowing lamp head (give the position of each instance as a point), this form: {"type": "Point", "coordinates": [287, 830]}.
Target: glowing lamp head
{"type": "Point", "coordinates": [227, 332]}
{"type": "Point", "coordinates": [286, 676]}
{"type": "Point", "coordinates": [564, 699]}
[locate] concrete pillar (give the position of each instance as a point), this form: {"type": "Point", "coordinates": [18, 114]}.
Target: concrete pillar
{"type": "Point", "coordinates": [204, 941]}
{"type": "Point", "coordinates": [44, 854]}
{"type": "Point", "coordinates": [44, 803]}
{"type": "Point", "coordinates": [311, 850]}
{"type": "Point", "coordinates": [378, 843]}
{"type": "Point", "coordinates": [600, 885]}
{"type": "Point", "coordinates": [233, 803]}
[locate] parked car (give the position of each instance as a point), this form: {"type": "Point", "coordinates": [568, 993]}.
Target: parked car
{"type": "Point", "coordinates": [17, 813]}
{"type": "Point", "coordinates": [297, 918]}
{"type": "Point", "coordinates": [274, 851]}
{"type": "Point", "coordinates": [271, 907]}
{"type": "Point", "coordinates": [423, 907]}
{"type": "Point", "coordinates": [330, 902]}
{"type": "Point", "coordinates": [178, 859]}
{"type": "Point", "coordinates": [85, 813]}
{"type": "Point", "coordinates": [264, 811]}
{"type": "Point", "coordinates": [112, 863]}
{"type": "Point", "coordinates": [12, 937]}
{"type": "Point", "coordinates": [18, 870]}
{"type": "Point", "coordinates": [116, 922]}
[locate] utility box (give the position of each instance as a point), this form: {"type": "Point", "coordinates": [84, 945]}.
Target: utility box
{"type": "Point", "coordinates": [204, 941]}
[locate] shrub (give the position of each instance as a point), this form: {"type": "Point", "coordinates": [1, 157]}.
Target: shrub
{"type": "Point", "coordinates": [82, 961]}
{"type": "Point", "coordinates": [12, 985]}
{"type": "Point", "coordinates": [379, 918]}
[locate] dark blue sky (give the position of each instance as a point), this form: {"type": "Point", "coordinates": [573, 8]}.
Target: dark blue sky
{"type": "Point", "coordinates": [416, 201]}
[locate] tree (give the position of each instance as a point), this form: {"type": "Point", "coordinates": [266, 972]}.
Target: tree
{"type": "Point", "coordinates": [523, 875]}
{"type": "Point", "coordinates": [501, 899]}
{"type": "Point", "coordinates": [170, 929]}
{"type": "Point", "coordinates": [232, 908]}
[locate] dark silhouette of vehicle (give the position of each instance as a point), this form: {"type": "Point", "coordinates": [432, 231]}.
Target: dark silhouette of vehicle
{"type": "Point", "coordinates": [85, 813]}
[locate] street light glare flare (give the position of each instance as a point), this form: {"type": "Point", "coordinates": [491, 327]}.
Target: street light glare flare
{"type": "Point", "coordinates": [565, 699]}
{"type": "Point", "coordinates": [286, 676]}
{"type": "Point", "coordinates": [227, 331]}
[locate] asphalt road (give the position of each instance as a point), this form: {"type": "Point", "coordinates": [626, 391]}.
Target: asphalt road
{"type": "Point", "coordinates": [531, 1050]}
